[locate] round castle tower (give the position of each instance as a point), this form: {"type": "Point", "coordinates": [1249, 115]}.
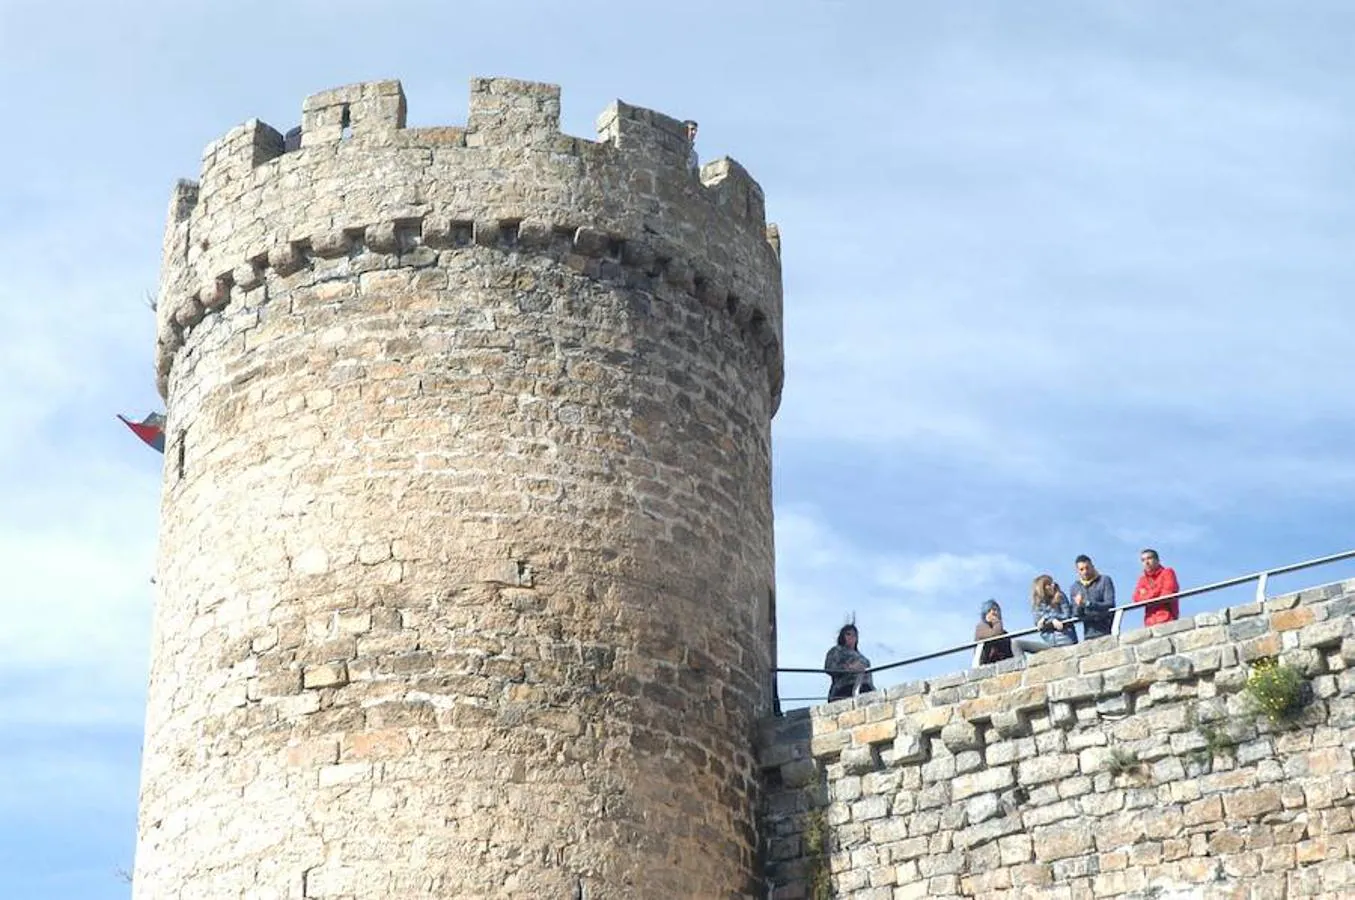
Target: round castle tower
{"type": "Point", "coordinates": [466, 568]}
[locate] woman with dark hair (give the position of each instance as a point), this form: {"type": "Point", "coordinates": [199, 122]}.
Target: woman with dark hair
{"type": "Point", "coordinates": [1053, 612]}
{"type": "Point", "coordinates": [846, 666]}
{"type": "Point", "coordinates": [990, 626]}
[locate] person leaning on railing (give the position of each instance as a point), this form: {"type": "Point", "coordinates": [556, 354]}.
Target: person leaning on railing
{"type": "Point", "coordinates": [1157, 580]}
{"type": "Point", "coordinates": [846, 666]}
{"type": "Point", "coordinates": [1053, 612]}
{"type": "Point", "coordinates": [990, 630]}
{"type": "Point", "coordinates": [1093, 596]}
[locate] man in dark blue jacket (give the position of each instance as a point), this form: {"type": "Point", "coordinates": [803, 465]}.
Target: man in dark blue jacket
{"type": "Point", "coordinates": [1093, 596]}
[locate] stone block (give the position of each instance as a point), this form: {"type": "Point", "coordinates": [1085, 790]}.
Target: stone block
{"type": "Point", "coordinates": [1199, 638]}
{"type": "Point", "coordinates": [992, 779]}
{"type": "Point", "coordinates": [1259, 647]}
{"type": "Point", "coordinates": [1042, 769]}
{"type": "Point", "coordinates": [325, 676]}
{"type": "Point", "coordinates": [860, 760]}
{"type": "Point", "coordinates": [961, 735]}
{"type": "Point", "coordinates": [1108, 659]}
{"type": "Point", "coordinates": [1120, 705]}
{"type": "Point", "coordinates": [1070, 690]}
{"type": "Point", "coordinates": [1153, 649]}
{"type": "Point", "coordinates": [388, 743]}
{"type": "Point", "coordinates": [1129, 678]}
{"type": "Point", "coordinates": [1061, 715]}
{"type": "Point", "coordinates": [1325, 634]}
{"type": "Point", "coordinates": [1042, 671]}
{"type": "Point", "coordinates": [933, 719]}
{"type": "Point", "coordinates": [1010, 724]}
{"type": "Point", "coordinates": [830, 744]}
{"type": "Point", "coordinates": [981, 808]}
{"type": "Point", "coordinates": [909, 747]}
{"type": "Point", "coordinates": [1291, 619]}
{"type": "Point", "coordinates": [991, 829]}
{"type": "Point", "coordinates": [1252, 804]}
{"type": "Point", "coordinates": [1055, 842]}
{"type": "Point", "coordinates": [875, 733]}
{"type": "Point", "coordinates": [1174, 668]}
{"type": "Point", "coordinates": [1202, 662]}
{"type": "Point", "coordinates": [870, 808]}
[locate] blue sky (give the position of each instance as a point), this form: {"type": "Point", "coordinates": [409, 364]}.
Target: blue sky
{"type": "Point", "coordinates": [1060, 278]}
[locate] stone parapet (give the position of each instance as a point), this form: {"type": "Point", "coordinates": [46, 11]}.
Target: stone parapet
{"type": "Point", "coordinates": [359, 166]}
{"type": "Point", "coordinates": [1121, 767]}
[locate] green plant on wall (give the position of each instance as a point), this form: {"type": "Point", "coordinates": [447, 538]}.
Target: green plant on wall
{"type": "Point", "coordinates": [1219, 741]}
{"type": "Point", "coordinates": [819, 876]}
{"type": "Point", "coordinates": [1123, 761]}
{"type": "Point", "coordinates": [1277, 691]}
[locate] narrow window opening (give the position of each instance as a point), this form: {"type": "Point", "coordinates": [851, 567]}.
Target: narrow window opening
{"type": "Point", "coordinates": [345, 123]}
{"type": "Point", "coordinates": [179, 454]}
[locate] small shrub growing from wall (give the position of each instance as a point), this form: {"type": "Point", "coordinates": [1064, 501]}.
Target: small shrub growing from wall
{"type": "Point", "coordinates": [1277, 691]}
{"type": "Point", "coordinates": [816, 849]}
{"type": "Point", "coordinates": [1123, 761]}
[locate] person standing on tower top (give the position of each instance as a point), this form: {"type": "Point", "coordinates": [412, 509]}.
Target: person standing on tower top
{"type": "Point", "coordinates": [693, 160]}
{"type": "Point", "coordinates": [1093, 597]}
{"type": "Point", "coordinates": [1156, 581]}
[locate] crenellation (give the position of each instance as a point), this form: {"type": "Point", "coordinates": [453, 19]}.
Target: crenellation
{"type": "Point", "coordinates": [506, 112]}
{"type": "Point", "coordinates": [367, 112]}
{"type": "Point", "coordinates": [646, 133]}
{"type": "Point", "coordinates": [475, 490]}
{"type": "Point", "coordinates": [228, 164]}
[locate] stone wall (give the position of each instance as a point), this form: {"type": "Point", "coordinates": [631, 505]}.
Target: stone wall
{"type": "Point", "coordinates": [1130, 767]}
{"type": "Point", "coordinates": [465, 578]}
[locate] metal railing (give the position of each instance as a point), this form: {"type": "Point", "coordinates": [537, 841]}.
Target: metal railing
{"type": "Point", "coordinates": [1261, 579]}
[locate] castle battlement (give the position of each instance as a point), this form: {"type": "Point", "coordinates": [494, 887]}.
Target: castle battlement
{"type": "Point", "coordinates": [465, 580]}
{"type": "Point", "coordinates": [359, 169]}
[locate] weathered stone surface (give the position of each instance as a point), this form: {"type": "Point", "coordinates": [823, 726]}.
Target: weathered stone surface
{"type": "Point", "coordinates": [466, 574]}
{"type": "Point", "coordinates": [1169, 785]}
{"type": "Point", "coordinates": [959, 736]}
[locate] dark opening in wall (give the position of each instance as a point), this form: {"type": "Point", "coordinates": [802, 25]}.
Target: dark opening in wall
{"type": "Point", "coordinates": [345, 123]}
{"type": "Point", "coordinates": [179, 453]}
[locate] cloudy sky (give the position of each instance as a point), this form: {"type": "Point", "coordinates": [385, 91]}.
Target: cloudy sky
{"type": "Point", "coordinates": [1060, 278]}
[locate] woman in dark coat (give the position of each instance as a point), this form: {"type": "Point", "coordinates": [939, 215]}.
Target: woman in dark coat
{"type": "Point", "coordinates": [846, 666]}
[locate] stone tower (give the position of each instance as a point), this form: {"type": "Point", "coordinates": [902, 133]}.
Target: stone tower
{"type": "Point", "coordinates": [465, 579]}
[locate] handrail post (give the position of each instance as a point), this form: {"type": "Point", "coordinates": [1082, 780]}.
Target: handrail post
{"type": "Point", "coordinates": [1261, 587]}
{"type": "Point", "coordinates": [1115, 622]}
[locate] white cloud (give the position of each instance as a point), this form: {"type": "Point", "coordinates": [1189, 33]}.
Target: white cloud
{"type": "Point", "coordinates": [903, 606]}
{"type": "Point", "coordinates": [936, 575]}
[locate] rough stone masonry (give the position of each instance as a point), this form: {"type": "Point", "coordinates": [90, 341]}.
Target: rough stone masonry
{"type": "Point", "coordinates": [465, 576]}
{"type": "Point", "coordinates": [1129, 768]}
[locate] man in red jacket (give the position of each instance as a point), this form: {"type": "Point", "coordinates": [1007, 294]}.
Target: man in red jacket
{"type": "Point", "coordinates": [1156, 581]}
